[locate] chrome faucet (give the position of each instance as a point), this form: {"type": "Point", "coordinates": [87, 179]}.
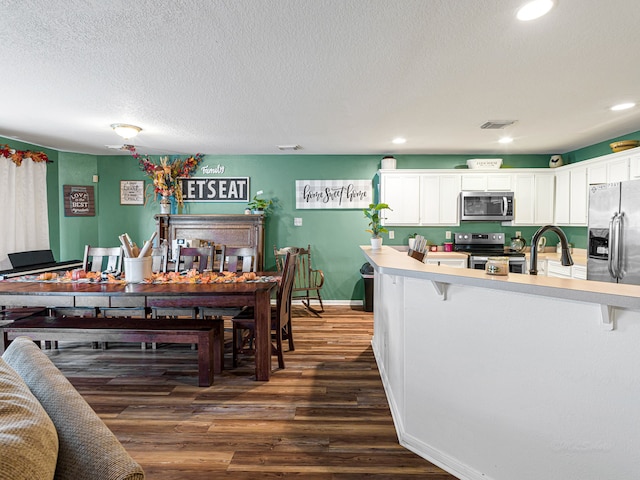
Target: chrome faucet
{"type": "Point", "coordinates": [565, 258]}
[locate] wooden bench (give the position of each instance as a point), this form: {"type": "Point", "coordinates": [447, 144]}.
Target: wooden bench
{"type": "Point", "coordinates": [207, 334]}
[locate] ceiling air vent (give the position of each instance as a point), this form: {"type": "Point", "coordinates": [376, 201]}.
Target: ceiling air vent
{"type": "Point", "coordinates": [497, 124]}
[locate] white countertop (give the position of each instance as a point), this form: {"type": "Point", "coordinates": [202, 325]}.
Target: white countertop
{"type": "Point", "coordinates": [389, 260]}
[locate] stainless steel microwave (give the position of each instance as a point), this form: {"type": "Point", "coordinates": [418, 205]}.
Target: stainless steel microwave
{"type": "Point", "coordinates": [486, 206]}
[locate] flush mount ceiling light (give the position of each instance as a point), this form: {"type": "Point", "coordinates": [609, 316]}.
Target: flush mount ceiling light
{"type": "Point", "coordinates": [399, 140]}
{"type": "Point", "coordinates": [125, 130]}
{"type": "Point", "coordinates": [623, 106]}
{"type": "Point", "coordinates": [534, 9]}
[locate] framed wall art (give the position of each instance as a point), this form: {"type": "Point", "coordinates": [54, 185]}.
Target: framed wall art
{"type": "Point", "coordinates": [131, 192]}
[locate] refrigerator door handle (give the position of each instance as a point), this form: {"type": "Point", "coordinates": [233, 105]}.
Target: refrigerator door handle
{"type": "Point", "coordinates": [612, 246]}
{"type": "Point", "coordinates": [619, 224]}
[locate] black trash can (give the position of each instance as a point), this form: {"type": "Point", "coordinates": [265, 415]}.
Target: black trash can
{"type": "Point", "coordinates": [367, 275]}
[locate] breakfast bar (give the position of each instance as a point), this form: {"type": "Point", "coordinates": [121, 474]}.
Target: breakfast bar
{"type": "Point", "coordinates": [515, 376]}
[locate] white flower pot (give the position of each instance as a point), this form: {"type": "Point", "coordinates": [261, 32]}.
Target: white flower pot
{"type": "Point", "coordinates": [412, 242]}
{"type": "Point", "coordinates": [165, 207]}
{"type": "Point", "coordinates": [376, 243]}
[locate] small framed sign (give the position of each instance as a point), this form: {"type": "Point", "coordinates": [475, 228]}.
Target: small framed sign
{"type": "Point", "coordinates": [79, 201]}
{"type": "Point", "coordinates": [131, 192]}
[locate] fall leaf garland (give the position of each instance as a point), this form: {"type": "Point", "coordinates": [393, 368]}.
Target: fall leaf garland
{"type": "Point", "coordinates": [16, 156]}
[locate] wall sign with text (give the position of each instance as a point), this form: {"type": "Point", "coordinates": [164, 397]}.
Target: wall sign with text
{"type": "Point", "coordinates": [79, 201]}
{"type": "Point", "coordinates": [333, 194]}
{"type": "Point", "coordinates": [217, 189]}
{"type": "Point", "coordinates": [131, 192]}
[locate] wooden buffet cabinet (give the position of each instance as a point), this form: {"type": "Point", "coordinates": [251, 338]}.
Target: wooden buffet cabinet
{"type": "Point", "coordinates": [230, 230]}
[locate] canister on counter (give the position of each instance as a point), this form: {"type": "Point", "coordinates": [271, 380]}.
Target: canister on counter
{"type": "Point", "coordinates": [497, 266]}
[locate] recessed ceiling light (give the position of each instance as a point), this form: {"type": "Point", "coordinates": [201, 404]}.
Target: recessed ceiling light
{"type": "Point", "coordinates": [125, 130]}
{"type": "Point", "coordinates": [534, 9]}
{"type": "Point", "coordinates": [399, 140]}
{"type": "Point", "coordinates": [623, 106]}
{"type": "Point", "coordinates": [505, 140]}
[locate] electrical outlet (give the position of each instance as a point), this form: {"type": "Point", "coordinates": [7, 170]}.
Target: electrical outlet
{"type": "Point", "coordinates": [392, 234]}
{"type": "Point", "coordinates": [447, 235]}
{"type": "Point", "coordinates": [518, 233]}
{"type": "Point", "coordinates": [297, 222]}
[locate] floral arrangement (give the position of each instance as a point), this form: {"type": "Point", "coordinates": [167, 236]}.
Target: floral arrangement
{"type": "Point", "coordinates": [166, 174]}
{"type": "Point", "coordinates": [16, 156]}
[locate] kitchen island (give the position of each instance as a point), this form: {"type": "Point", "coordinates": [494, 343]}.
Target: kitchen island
{"type": "Point", "coordinates": [509, 377]}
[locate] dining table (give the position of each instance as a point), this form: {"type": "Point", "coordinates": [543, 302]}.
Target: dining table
{"type": "Point", "coordinates": [256, 294]}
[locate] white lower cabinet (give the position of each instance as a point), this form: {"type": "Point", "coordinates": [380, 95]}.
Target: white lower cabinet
{"type": "Point", "coordinates": [448, 262]}
{"type": "Point", "coordinates": [556, 269]}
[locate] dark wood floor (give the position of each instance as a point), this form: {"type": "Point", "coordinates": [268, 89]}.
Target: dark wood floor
{"type": "Point", "coordinates": [323, 417]}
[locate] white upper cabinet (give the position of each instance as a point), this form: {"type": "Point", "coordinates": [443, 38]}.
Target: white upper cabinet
{"type": "Point", "coordinates": [486, 182]}
{"type": "Point", "coordinates": [618, 170]}
{"type": "Point", "coordinates": [439, 199]}
{"type": "Point", "coordinates": [634, 166]}
{"type": "Point", "coordinates": [534, 198]}
{"type": "Point", "coordinates": [402, 192]}
{"type": "Point", "coordinates": [420, 198]}
{"type": "Point", "coordinates": [563, 194]}
{"type": "Point", "coordinates": [578, 197]}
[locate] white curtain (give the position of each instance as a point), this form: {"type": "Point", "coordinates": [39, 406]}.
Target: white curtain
{"type": "Point", "coordinates": [23, 208]}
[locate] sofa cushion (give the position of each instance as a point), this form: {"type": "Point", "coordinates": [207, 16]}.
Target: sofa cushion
{"type": "Point", "coordinates": [28, 439]}
{"type": "Point", "coordinates": [88, 449]}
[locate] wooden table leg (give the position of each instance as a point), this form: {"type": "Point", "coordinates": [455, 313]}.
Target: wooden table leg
{"type": "Point", "coordinates": [218, 345]}
{"type": "Point", "coordinates": [262, 311]}
{"type": "Point", "coordinates": [206, 358]}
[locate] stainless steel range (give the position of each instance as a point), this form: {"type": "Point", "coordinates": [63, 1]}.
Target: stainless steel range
{"type": "Point", "coordinates": [481, 246]}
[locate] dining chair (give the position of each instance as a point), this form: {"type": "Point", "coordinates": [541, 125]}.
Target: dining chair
{"type": "Point", "coordinates": [199, 258]}
{"type": "Point", "coordinates": [244, 326]}
{"type": "Point", "coordinates": [95, 259]}
{"type": "Point", "coordinates": [240, 259]}
{"type": "Point", "coordinates": [308, 281]}
{"type": "Point", "coordinates": [102, 259]}
{"type": "Point", "coordinates": [233, 259]}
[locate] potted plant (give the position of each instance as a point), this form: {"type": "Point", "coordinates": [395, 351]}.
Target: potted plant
{"type": "Point", "coordinates": [376, 228]}
{"type": "Point", "coordinates": [259, 205]}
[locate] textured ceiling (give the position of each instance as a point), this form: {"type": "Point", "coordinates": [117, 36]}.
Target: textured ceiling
{"type": "Point", "coordinates": [334, 76]}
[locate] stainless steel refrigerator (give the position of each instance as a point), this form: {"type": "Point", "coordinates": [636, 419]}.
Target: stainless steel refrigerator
{"type": "Point", "coordinates": [614, 232]}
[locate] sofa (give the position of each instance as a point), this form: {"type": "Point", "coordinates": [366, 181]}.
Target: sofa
{"type": "Point", "coordinates": [47, 430]}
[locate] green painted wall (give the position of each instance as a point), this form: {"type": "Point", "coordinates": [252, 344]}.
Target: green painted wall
{"type": "Point", "coordinates": [335, 235]}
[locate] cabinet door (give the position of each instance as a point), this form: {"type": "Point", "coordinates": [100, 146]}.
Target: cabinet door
{"type": "Point", "coordinates": [563, 184]}
{"type": "Point", "coordinates": [447, 262]}
{"type": "Point", "coordinates": [618, 170]}
{"type": "Point", "coordinates": [439, 199]}
{"type": "Point", "coordinates": [578, 199]}
{"type": "Point", "coordinates": [524, 191]}
{"type": "Point", "coordinates": [597, 174]}
{"type": "Point", "coordinates": [474, 182]}
{"type": "Point", "coordinates": [544, 199]}
{"type": "Point", "coordinates": [499, 182]}
{"type": "Point", "coordinates": [402, 193]}
{"type": "Point", "coordinates": [634, 167]}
